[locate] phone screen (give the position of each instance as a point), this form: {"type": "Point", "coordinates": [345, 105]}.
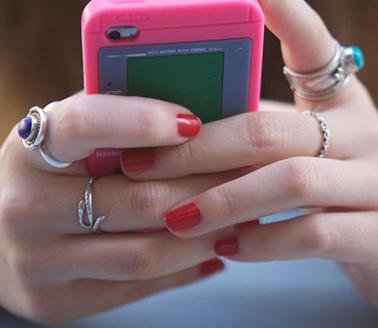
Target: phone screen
{"type": "Point", "coordinates": [210, 78]}
{"type": "Point", "coordinates": [194, 81]}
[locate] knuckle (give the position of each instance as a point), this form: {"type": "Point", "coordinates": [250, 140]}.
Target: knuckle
{"type": "Point", "coordinates": [318, 34]}
{"type": "Point", "coordinates": [183, 154]}
{"type": "Point", "coordinates": [263, 132]}
{"type": "Point", "coordinates": [142, 261]}
{"type": "Point", "coordinates": [371, 136]}
{"type": "Point", "coordinates": [10, 150]}
{"type": "Point", "coordinates": [27, 265]}
{"type": "Point", "coordinates": [37, 307]}
{"type": "Point", "coordinates": [300, 177]}
{"type": "Point", "coordinates": [71, 121]}
{"type": "Point", "coordinates": [225, 201]}
{"type": "Point", "coordinates": [149, 200]}
{"type": "Point", "coordinates": [8, 212]}
{"type": "Point", "coordinates": [318, 237]}
{"type": "Point", "coordinates": [14, 203]}
{"type": "Point", "coordinates": [148, 126]}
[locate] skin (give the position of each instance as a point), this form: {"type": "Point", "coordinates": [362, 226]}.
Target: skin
{"type": "Point", "coordinates": [52, 270]}
{"type": "Point", "coordinates": [280, 144]}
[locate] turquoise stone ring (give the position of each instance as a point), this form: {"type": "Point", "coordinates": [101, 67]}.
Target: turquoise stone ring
{"type": "Point", "coordinates": [359, 58]}
{"type": "Point", "coordinates": [323, 83]}
{"type": "Point", "coordinates": [353, 60]}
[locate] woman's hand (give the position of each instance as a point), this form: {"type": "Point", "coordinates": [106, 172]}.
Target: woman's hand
{"type": "Point", "coordinates": [51, 268]}
{"type": "Point", "coordinates": [279, 146]}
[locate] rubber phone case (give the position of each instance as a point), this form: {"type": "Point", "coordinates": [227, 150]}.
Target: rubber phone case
{"type": "Point", "coordinates": [162, 22]}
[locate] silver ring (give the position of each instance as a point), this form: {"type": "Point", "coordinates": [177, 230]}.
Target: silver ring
{"type": "Point", "coordinates": [85, 210]}
{"type": "Point", "coordinates": [32, 129]}
{"type": "Point", "coordinates": [323, 83]}
{"type": "Point", "coordinates": [46, 155]}
{"type": "Point", "coordinates": [37, 130]}
{"type": "Point", "coordinates": [324, 127]}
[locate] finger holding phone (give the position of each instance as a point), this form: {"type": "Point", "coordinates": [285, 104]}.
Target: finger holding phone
{"type": "Point", "coordinates": [73, 229]}
{"type": "Point", "coordinates": [324, 161]}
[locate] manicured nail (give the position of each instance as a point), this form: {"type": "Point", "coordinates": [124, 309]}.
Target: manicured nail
{"type": "Point", "coordinates": [227, 247]}
{"type": "Point", "coordinates": [183, 218]}
{"type": "Point", "coordinates": [136, 160]}
{"type": "Point", "coordinates": [188, 125]}
{"type": "Point", "coordinates": [249, 224]}
{"type": "Point", "coordinates": [210, 267]}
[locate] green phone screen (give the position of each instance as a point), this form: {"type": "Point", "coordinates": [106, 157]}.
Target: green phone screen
{"type": "Point", "coordinates": [194, 81]}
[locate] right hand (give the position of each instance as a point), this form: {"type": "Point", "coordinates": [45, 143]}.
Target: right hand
{"type": "Point", "coordinates": [52, 270]}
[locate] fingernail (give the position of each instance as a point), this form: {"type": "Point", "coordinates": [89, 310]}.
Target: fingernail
{"type": "Point", "coordinates": [136, 160]}
{"type": "Point", "coordinates": [188, 125]}
{"type": "Point", "coordinates": [210, 267]}
{"type": "Point", "coordinates": [227, 247]}
{"type": "Point", "coordinates": [249, 224]}
{"type": "Point", "coordinates": [183, 217]}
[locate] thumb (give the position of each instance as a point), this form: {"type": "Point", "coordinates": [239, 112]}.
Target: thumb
{"type": "Point", "coordinates": [306, 42]}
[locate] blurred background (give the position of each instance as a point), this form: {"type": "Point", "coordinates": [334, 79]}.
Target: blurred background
{"type": "Point", "coordinates": [41, 51]}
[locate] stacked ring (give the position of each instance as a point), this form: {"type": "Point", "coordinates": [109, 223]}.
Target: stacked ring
{"type": "Point", "coordinates": [323, 83]}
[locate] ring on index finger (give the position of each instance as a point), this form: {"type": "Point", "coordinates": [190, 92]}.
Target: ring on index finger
{"type": "Point", "coordinates": [33, 129]}
{"type": "Point", "coordinates": [332, 77]}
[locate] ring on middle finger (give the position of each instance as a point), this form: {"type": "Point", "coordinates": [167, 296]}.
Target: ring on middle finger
{"type": "Point", "coordinates": [325, 130]}
{"type": "Point", "coordinates": [85, 210]}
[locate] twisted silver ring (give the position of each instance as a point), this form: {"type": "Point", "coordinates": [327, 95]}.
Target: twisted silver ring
{"type": "Point", "coordinates": [32, 129]}
{"type": "Point", "coordinates": [85, 211]}
{"type": "Point", "coordinates": [324, 127]}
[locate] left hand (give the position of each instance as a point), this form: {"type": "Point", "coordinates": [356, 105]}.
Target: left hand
{"type": "Point", "coordinates": [277, 145]}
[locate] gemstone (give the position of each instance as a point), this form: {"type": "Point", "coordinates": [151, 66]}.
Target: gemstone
{"type": "Point", "coordinates": [25, 127]}
{"type": "Point", "coordinates": [359, 58]}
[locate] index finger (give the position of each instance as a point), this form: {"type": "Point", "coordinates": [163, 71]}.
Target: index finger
{"type": "Point", "coordinates": [80, 124]}
{"type": "Point", "coordinates": [307, 45]}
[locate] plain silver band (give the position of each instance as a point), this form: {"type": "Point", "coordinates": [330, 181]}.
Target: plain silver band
{"type": "Point", "coordinates": [85, 208]}
{"type": "Point", "coordinates": [46, 155]}
{"type": "Point", "coordinates": [323, 83]}
{"type": "Point", "coordinates": [325, 130]}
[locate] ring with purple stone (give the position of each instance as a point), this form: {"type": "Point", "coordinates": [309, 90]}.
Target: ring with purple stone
{"type": "Point", "coordinates": [32, 130]}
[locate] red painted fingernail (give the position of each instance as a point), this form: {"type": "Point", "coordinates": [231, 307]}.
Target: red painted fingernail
{"type": "Point", "coordinates": [188, 125]}
{"type": "Point", "coordinates": [183, 217]}
{"type": "Point", "coordinates": [136, 160]}
{"type": "Point", "coordinates": [249, 224]}
{"type": "Point", "coordinates": [227, 247]}
{"type": "Point", "coordinates": [210, 267]}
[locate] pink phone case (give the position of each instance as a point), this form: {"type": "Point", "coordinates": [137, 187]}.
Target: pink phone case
{"type": "Point", "coordinates": [162, 22]}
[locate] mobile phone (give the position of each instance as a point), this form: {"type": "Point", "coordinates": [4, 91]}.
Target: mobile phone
{"type": "Point", "coordinates": [205, 55]}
